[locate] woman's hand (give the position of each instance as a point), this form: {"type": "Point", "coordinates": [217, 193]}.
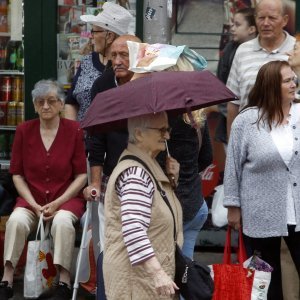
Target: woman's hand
{"type": "Point", "coordinates": [234, 217]}
{"type": "Point", "coordinates": [49, 210]}
{"type": "Point", "coordinates": [164, 285]}
{"type": "Point", "coordinates": [172, 169]}
{"type": "Point", "coordinates": [37, 209]}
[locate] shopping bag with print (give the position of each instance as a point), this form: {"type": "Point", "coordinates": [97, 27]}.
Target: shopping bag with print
{"type": "Point", "coordinates": [40, 272]}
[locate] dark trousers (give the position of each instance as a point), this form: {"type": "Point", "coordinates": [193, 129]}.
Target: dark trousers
{"type": "Point", "coordinates": [269, 249]}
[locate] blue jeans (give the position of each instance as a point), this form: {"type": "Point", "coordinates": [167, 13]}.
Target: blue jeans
{"type": "Point", "coordinates": [191, 230]}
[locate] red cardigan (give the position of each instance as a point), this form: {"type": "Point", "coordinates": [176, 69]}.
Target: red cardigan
{"type": "Point", "coordinates": [49, 173]}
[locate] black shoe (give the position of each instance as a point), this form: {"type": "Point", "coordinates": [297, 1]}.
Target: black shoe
{"type": "Point", "coordinates": [6, 292]}
{"type": "Point", "coordinates": [62, 292]}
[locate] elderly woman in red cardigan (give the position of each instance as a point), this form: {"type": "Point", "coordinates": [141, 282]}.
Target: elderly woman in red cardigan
{"type": "Point", "coordinates": [48, 166]}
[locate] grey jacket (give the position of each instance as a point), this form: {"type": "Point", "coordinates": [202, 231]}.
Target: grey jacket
{"type": "Point", "coordinates": [256, 177]}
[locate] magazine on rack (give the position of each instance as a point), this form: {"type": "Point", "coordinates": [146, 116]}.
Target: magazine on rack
{"type": "Point", "coordinates": [69, 19]}
{"type": "Point", "coordinates": [69, 53]}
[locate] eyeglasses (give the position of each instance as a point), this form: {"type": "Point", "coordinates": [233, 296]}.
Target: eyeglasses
{"type": "Point", "coordinates": [42, 101]}
{"type": "Point", "coordinates": [162, 130]}
{"type": "Point", "coordinates": [94, 31]}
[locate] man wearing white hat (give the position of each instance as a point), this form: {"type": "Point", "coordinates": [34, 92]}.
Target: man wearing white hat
{"type": "Point", "coordinates": [111, 22]}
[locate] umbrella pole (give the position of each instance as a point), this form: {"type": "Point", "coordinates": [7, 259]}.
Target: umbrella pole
{"type": "Point", "coordinates": [82, 246]}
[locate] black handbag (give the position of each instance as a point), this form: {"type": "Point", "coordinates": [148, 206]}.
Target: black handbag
{"type": "Point", "coordinates": [192, 277]}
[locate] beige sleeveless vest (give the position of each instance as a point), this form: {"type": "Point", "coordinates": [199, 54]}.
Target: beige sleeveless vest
{"type": "Point", "coordinates": [122, 281]}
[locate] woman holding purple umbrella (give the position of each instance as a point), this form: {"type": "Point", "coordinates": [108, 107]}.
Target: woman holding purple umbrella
{"type": "Point", "coordinates": [139, 253]}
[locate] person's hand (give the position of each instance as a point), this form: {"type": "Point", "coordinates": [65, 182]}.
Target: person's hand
{"type": "Point", "coordinates": [37, 209]}
{"type": "Point", "coordinates": [164, 285]}
{"type": "Point", "coordinates": [234, 217]}
{"type": "Point", "coordinates": [49, 210]}
{"type": "Point", "coordinates": [90, 191]}
{"type": "Point", "coordinates": [172, 169]}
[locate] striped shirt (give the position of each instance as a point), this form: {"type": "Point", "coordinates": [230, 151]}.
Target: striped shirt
{"type": "Point", "coordinates": [135, 190]}
{"type": "Point", "coordinates": [249, 57]}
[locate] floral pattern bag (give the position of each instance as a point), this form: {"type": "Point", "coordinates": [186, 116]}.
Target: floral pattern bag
{"type": "Point", "coordinates": [40, 272]}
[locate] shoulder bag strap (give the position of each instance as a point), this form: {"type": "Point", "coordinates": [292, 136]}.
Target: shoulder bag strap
{"type": "Point", "coordinates": [161, 191]}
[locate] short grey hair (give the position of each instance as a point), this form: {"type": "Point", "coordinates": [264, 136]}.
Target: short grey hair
{"type": "Point", "coordinates": [46, 86]}
{"type": "Point", "coordinates": [140, 122]}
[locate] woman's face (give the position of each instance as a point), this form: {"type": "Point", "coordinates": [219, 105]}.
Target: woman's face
{"type": "Point", "coordinates": [241, 31]}
{"type": "Point", "coordinates": [288, 85]}
{"type": "Point", "coordinates": [152, 138]}
{"type": "Point", "coordinates": [99, 36]}
{"type": "Point", "coordinates": [48, 107]}
{"type": "Point", "coordinates": [294, 57]}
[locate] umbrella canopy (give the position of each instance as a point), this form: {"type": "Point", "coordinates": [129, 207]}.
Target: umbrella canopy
{"type": "Point", "coordinates": [175, 92]}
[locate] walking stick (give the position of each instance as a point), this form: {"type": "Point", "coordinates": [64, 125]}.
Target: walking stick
{"type": "Point", "coordinates": [83, 243]}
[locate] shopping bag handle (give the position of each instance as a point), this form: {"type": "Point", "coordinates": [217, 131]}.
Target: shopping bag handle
{"type": "Point", "coordinates": [44, 231]}
{"type": "Point", "coordinates": [241, 251]}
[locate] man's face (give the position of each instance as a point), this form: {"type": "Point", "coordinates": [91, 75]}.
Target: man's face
{"type": "Point", "coordinates": [119, 55]}
{"type": "Point", "coordinates": [270, 21]}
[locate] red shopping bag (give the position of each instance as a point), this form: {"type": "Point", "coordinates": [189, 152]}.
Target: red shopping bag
{"type": "Point", "coordinates": [232, 281]}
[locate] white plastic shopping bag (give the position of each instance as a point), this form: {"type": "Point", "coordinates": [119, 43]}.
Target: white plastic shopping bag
{"type": "Point", "coordinates": [40, 272]}
{"type": "Point", "coordinates": [218, 211]}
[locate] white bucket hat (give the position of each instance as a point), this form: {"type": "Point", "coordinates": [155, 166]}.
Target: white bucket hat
{"type": "Point", "coordinates": [113, 17]}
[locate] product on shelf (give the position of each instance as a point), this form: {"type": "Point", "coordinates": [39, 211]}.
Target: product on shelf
{"type": "Point", "coordinates": [12, 49]}
{"type": "Point", "coordinates": [19, 113]}
{"type": "Point", "coordinates": [3, 146]}
{"type": "Point", "coordinates": [17, 88]}
{"type": "Point", "coordinates": [11, 113]}
{"type": "Point", "coordinates": [6, 88]}
{"type": "Point", "coordinates": [3, 42]}
{"type": "Point", "coordinates": [3, 112]}
{"type": "Point", "coordinates": [11, 136]}
{"type": "Point", "coordinates": [20, 58]}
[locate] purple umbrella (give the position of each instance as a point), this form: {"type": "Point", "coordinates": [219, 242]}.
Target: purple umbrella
{"type": "Point", "coordinates": [174, 92]}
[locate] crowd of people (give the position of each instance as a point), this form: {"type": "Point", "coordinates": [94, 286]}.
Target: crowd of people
{"type": "Point", "coordinates": [130, 167]}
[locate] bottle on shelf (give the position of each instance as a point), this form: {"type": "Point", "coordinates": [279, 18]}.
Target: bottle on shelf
{"type": "Point", "coordinates": [2, 53]}
{"type": "Point", "coordinates": [20, 57]}
{"type": "Point", "coordinates": [11, 55]}
{"type": "Point", "coordinates": [3, 146]}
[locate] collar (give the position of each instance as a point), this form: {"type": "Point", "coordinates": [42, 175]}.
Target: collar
{"type": "Point", "coordinates": [281, 49]}
{"type": "Point", "coordinates": [151, 162]}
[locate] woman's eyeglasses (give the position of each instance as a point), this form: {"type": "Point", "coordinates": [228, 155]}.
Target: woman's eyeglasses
{"type": "Point", "coordinates": [162, 130]}
{"type": "Point", "coordinates": [94, 31]}
{"type": "Point", "coordinates": [42, 101]}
